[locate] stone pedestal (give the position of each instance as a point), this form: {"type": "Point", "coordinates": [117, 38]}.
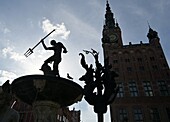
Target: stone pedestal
{"type": "Point", "coordinates": [45, 111]}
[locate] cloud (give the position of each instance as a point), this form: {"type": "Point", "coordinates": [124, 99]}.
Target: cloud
{"type": "Point", "coordinates": [22, 64]}
{"type": "Point", "coordinates": [161, 5]}
{"type": "Point", "coordinates": [61, 30]}
{"type": "Point", "coordinates": [83, 29]}
{"type": "Point", "coordinates": [6, 75]}
{"type": "Point", "coordinates": [3, 28]}
{"type": "Point", "coordinates": [6, 30]}
{"type": "Point", "coordinates": [95, 3]}
{"type": "Point", "coordinates": [9, 52]}
{"type": "Point", "coordinates": [138, 10]}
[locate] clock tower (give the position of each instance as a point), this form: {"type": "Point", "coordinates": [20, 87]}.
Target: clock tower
{"type": "Point", "coordinates": [111, 30]}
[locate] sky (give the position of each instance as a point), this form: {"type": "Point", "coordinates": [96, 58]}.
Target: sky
{"type": "Point", "coordinates": [78, 24]}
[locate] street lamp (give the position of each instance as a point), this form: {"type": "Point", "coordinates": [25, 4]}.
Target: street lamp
{"type": "Point", "coordinates": [100, 78]}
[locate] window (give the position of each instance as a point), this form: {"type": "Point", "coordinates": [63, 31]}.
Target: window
{"type": "Point", "coordinates": [127, 60]}
{"type": "Point", "coordinates": [138, 116]}
{"type": "Point", "coordinates": [64, 119]}
{"type": "Point", "coordinates": [129, 69]}
{"type": "Point", "coordinates": [147, 88]}
{"type": "Point", "coordinates": [121, 91]}
{"type": "Point", "coordinates": [155, 67]}
{"type": "Point", "coordinates": [141, 68]}
{"type": "Point", "coordinates": [163, 88]}
{"type": "Point", "coordinates": [58, 117]}
{"type": "Point", "coordinates": [165, 66]}
{"type": "Point", "coordinates": [168, 113]}
{"type": "Point", "coordinates": [152, 58]}
{"type": "Point", "coordinates": [154, 115]}
{"type": "Point", "coordinates": [21, 117]}
{"type": "Point", "coordinates": [116, 69]}
{"type": "Point", "coordinates": [133, 89]}
{"type": "Point", "coordinates": [139, 59]}
{"type": "Point", "coordinates": [123, 115]}
{"type": "Point", "coordinates": [115, 61]}
{"type": "Point", "coordinates": [161, 56]}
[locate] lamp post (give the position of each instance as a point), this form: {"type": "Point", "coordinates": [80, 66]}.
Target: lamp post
{"type": "Point", "coordinates": [100, 78]}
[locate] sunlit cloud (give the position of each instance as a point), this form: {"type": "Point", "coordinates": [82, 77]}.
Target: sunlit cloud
{"type": "Point", "coordinates": [61, 30]}
{"type": "Point", "coordinates": [32, 64]}
{"type": "Point", "coordinates": [10, 53]}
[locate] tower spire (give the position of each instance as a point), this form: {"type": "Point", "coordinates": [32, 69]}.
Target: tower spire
{"type": "Point", "coordinates": [108, 9]}
{"type": "Point", "coordinates": [107, 6]}
{"type": "Point", "coordinates": [152, 34]}
{"type": "Point", "coordinates": [111, 30]}
{"type": "Point", "coordinates": [148, 24]}
{"type": "Point", "coordinates": [109, 19]}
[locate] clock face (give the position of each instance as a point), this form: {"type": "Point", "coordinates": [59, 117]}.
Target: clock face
{"type": "Point", "coordinates": [113, 38]}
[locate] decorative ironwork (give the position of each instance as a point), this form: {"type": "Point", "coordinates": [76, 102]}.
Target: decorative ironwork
{"type": "Point", "coordinates": [100, 78]}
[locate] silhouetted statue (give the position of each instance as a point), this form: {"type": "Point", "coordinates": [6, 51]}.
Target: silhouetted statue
{"type": "Point", "coordinates": [7, 114]}
{"type": "Point", "coordinates": [56, 58]}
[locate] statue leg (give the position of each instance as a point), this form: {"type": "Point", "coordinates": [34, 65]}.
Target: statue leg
{"type": "Point", "coordinates": [49, 60]}
{"type": "Point", "coordinates": [55, 67]}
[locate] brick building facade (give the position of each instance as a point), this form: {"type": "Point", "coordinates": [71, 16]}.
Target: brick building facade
{"type": "Point", "coordinates": [144, 75]}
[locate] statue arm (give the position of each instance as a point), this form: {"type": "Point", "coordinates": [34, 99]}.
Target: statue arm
{"type": "Point", "coordinates": [64, 49]}
{"type": "Point", "coordinates": [45, 47]}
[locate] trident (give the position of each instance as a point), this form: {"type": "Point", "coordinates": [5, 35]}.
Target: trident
{"type": "Point", "coordinates": [30, 50]}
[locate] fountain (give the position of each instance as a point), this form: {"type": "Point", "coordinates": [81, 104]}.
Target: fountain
{"type": "Point", "coordinates": [48, 92]}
